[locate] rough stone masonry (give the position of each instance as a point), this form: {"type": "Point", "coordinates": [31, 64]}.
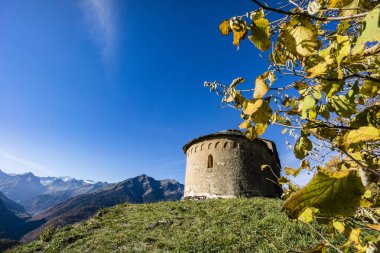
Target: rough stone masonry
{"type": "Point", "coordinates": [226, 165]}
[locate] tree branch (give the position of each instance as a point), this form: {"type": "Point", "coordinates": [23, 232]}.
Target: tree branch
{"type": "Point", "coordinates": [306, 15]}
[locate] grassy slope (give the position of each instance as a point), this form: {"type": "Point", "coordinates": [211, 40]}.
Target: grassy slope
{"type": "Point", "coordinates": [229, 225]}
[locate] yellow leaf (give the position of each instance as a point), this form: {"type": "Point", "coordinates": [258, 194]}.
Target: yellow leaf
{"type": "Point", "coordinates": [318, 70]}
{"type": "Point", "coordinates": [284, 131]}
{"type": "Point", "coordinates": [240, 31]}
{"type": "Point", "coordinates": [282, 180]}
{"type": "Point", "coordinates": [354, 235]}
{"type": "Point", "coordinates": [306, 216]}
{"type": "Point", "coordinates": [363, 134]}
{"type": "Point", "coordinates": [250, 133]}
{"type": "Point", "coordinates": [261, 88]}
{"type": "Point", "coordinates": [260, 128]}
{"type": "Point", "coordinates": [367, 194]}
{"type": "Point", "coordinates": [290, 171]}
{"type": "Point", "coordinates": [320, 248]}
{"type": "Point", "coordinates": [251, 106]}
{"type": "Point", "coordinates": [236, 81]}
{"type": "Point", "coordinates": [244, 124]}
{"type": "Point", "coordinates": [374, 226]}
{"type": "Point", "coordinates": [263, 114]}
{"type": "Point", "coordinates": [260, 34]}
{"type": "Point", "coordinates": [334, 194]}
{"type": "Point", "coordinates": [225, 28]}
{"type": "Point", "coordinates": [335, 3]}
{"type": "Point", "coordinates": [300, 37]}
{"type": "Point", "coordinates": [339, 226]}
{"type": "Point", "coordinates": [344, 47]}
{"type": "Point", "coordinates": [312, 114]}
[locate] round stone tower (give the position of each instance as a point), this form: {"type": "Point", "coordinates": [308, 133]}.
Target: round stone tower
{"type": "Point", "coordinates": [226, 164]}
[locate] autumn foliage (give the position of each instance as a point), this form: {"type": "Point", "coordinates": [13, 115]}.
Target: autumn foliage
{"type": "Point", "coordinates": [331, 51]}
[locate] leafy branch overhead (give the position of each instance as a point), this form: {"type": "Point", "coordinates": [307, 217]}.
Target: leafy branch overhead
{"type": "Point", "coordinates": [322, 86]}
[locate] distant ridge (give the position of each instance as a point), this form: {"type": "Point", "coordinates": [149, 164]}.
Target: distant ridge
{"type": "Point", "coordinates": [140, 189]}
{"type": "Point", "coordinates": [37, 194]}
{"type": "Point", "coordinates": [14, 207]}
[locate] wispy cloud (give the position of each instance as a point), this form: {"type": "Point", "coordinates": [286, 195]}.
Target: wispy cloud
{"type": "Point", "coordinates": [101, 18]}
{"type": "Point", "coordinates": [26, 165]}
{"type": "Point", "coordinates": [288, 159]}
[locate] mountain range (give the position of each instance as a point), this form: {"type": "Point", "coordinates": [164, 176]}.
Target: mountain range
{"type": "Point", "coordinates": [82, 199]}
{"type": "Point", "coordinates": [37, 194]}
{"type": "Point", "coordinates": [141, 189]}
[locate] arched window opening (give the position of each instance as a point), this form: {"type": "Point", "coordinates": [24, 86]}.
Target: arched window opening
{"type": "Point", "coordinates": [225, 145]}
{"type": "Point", "coordinates": [210, 161]}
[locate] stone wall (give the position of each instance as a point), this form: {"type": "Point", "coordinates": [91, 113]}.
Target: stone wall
{"type": "Point", "coordinates": [236, 169]}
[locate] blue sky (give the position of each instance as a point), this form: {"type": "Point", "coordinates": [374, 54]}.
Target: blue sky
{"type": "Point", "coordinates": [110, 89]}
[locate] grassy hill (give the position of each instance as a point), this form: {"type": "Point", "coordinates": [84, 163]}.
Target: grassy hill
{"type": "Point", "coordinates": [221, 225]}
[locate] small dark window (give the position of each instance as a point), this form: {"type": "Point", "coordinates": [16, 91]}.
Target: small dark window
{"type": "Point", "coordinates": [210, 161]}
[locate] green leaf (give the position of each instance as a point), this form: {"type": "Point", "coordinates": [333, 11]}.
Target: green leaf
{"type": "Point", "coordinates": [370, 88]}
{"type": "Point", "coordinates": [260, 34]}
{"type": "Point", "coordinates": [370, 28]}
{"type": "Point", "coordinates": [334, 194]}
{"type": "Point", "coordinates": [368, 117]}
{"type": "Point", "coordinates": [302, 147]}
{"type": "Point", "coordinates": [263, 114]}
{"type": "Point", "coordinates": [344, 47]}
{"type": "Point", "coordinates": [308, 103]}
{"type": "Point", "coordinates": [342, 106]}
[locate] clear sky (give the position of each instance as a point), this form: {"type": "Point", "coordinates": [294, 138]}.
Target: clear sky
{"type": "Point", "coordinates": [110, 89]}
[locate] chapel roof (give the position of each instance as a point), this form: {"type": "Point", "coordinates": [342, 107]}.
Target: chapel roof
{"type": "Point", "coordinates": [229, 132]}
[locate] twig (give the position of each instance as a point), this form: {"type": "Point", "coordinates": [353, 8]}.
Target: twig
{"type": "Point", "coordinates": [303, 14]}
{"type": "Point", "coordinates": [329, 243]}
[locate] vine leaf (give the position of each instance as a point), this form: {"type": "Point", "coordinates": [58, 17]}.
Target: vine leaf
{"type": "Point", "coordinates": [363, 134]}
{"type": "Point", "coordinates": [260, 31]}
{"type": "Point", "coordinates": [320, 248]}
{"type": "Point", "coordinates": [225, 28]}
{"type": "Point", "coordinates": [261, 88]}
{"type": "Point", "coordinates": [302, 147]}
{"type": "Point", "coordinates": [334, 194]}
{"type": "Point", "coordinates": [342, 106]}
{"type": "Point", "coordinates": [371, 28]}
{"type": "Point", "coordinates": [317, 70]}
{"type": "Point", "coordinates": [300, 37]}
{"type": "Point", "coordinates": [239, 27]}
{"type": "Point", "coordinates": [339, 226]}
{"type": "Point", "coordinates": [344, 47]}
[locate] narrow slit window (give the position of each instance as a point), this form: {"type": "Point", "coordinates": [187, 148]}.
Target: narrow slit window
{"type": "Point", "coordinates": [210, 161]}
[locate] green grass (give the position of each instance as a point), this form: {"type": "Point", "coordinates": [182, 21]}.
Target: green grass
{"type": "Point", "coordinates": [221, 225]}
